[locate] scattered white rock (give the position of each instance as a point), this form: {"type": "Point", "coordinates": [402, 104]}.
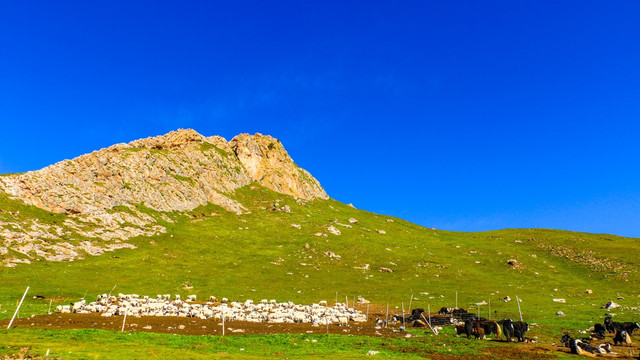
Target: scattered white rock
{"type": "Point", "coordinates": [297, 226]}
{"type": "Point", "coordinates": [332, 229]}
{"type": "Point", "coordinates": [559, 300]}
{"type": "Point", "coordinates": [373, 352]}
{"type": "Point", "coordinates": [332, 255]}
{"type": "Point", "coordinates": [561, 314]}
{"type": "Point", "coordinates": [610, 305]}
{"type": "Point", "coordinates": [362, 300]}
{"type": "Point", "coordinates": [353, 220]}
{"type": "Point", "coordinates": [381, 231]}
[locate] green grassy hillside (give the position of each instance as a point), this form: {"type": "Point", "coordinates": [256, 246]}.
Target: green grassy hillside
{"type": "Point", "coordinates": [261, 255]}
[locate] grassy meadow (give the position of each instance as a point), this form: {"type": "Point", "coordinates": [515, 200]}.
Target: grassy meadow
{"type": "Point", "coordinates": [260, 255]}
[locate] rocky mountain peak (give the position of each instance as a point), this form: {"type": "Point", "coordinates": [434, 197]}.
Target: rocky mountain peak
{"type": "Point", "coordinates": [178, 171]}
{"type": "Point", "coordinates": [174, 139]}
{"type": "Point", "coordinates": [268, 163]}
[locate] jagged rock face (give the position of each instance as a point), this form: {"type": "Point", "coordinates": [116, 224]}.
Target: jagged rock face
{"type": "Point", "coordinates": [175, 172]}
{"type": "Point", "coordinates": [268, 163]}
{"type": "Point", "coordinates": [178, 171]}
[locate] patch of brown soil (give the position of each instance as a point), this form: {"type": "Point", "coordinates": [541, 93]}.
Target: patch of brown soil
{"type": "Point", "coordinates": [188, 326]}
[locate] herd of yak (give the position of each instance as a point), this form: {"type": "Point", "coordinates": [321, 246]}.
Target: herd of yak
{"type": "Point", "coordinates": [480, 328]}
{"type": "Point", "coordinates": [583, 346]}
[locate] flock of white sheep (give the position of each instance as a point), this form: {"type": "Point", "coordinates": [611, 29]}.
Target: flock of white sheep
{"type": "Point", "coordinates": [263, 311]}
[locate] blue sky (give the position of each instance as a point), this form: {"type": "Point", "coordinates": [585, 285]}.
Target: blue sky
{"type": "Point", "coordinates": [458, 115]}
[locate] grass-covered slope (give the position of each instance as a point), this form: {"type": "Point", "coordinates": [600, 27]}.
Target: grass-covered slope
{"type": "Point", "coordinates": [261, 255]}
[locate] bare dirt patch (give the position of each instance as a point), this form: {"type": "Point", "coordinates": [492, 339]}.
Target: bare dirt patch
{"type": "Point", "coordinates": [189, 326]}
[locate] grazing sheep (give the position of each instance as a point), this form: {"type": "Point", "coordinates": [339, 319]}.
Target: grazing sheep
{"type": "Point", "coordinates": [271, 311]}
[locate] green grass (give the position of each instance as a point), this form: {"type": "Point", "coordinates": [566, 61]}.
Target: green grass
{"type": "Point", "coordinates": [15, 211]}
{"type": "Point", "coordinates": [206, 146]}
{"type": "Point", "coordinates": [183, 178]}
{"type": "Point", "coordinates": [224, 254]}
{"type": "Point", "coordinates": [79, 344]}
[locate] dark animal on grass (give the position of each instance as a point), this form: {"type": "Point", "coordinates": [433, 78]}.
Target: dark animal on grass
{"type": "Point", "coordinates": [488, 327]}
{"type": "Point", "coordinates": [507, 328]}
{"type": "Point", "coordinates": [468, 328]}
{"type": "Point", "coordinates": [445, 311]}
{"type": "Point", "coordinates": [583, 348]}
{"type": "Point", "coordinates": [460, 329]}
{"type": "Point", "coordinates": [614, 326]}
{"type": "Point", "coordinates": [608, 325]}
{"type": "Point", "coordinates": [459, 312]}
{"type": "Point", "coordinates": [491, 327]}
{"type": "Point", "coordinates": [474, 328]}
{"type": "Point", "coordinates": [599, 330]}
{"type": "Point", "coordinates": [622, 338]}
{"type": "Point", "coordinates": [520, 329]}
{"type": "Point", "coordinates": [630, 327]}
{"type": "Point", "coordinates": [415, 314]}
{"type": "Point", "coordinates": [513, 329]}
{"type": "Point", "coordinates": [478, 332]}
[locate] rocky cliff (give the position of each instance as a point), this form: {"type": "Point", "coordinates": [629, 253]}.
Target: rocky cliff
{"type": "Point", "coordinates": [178, 171]}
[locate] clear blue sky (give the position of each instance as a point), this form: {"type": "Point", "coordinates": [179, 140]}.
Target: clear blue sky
{"type": "Point", "coordinates": [458, 115]}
